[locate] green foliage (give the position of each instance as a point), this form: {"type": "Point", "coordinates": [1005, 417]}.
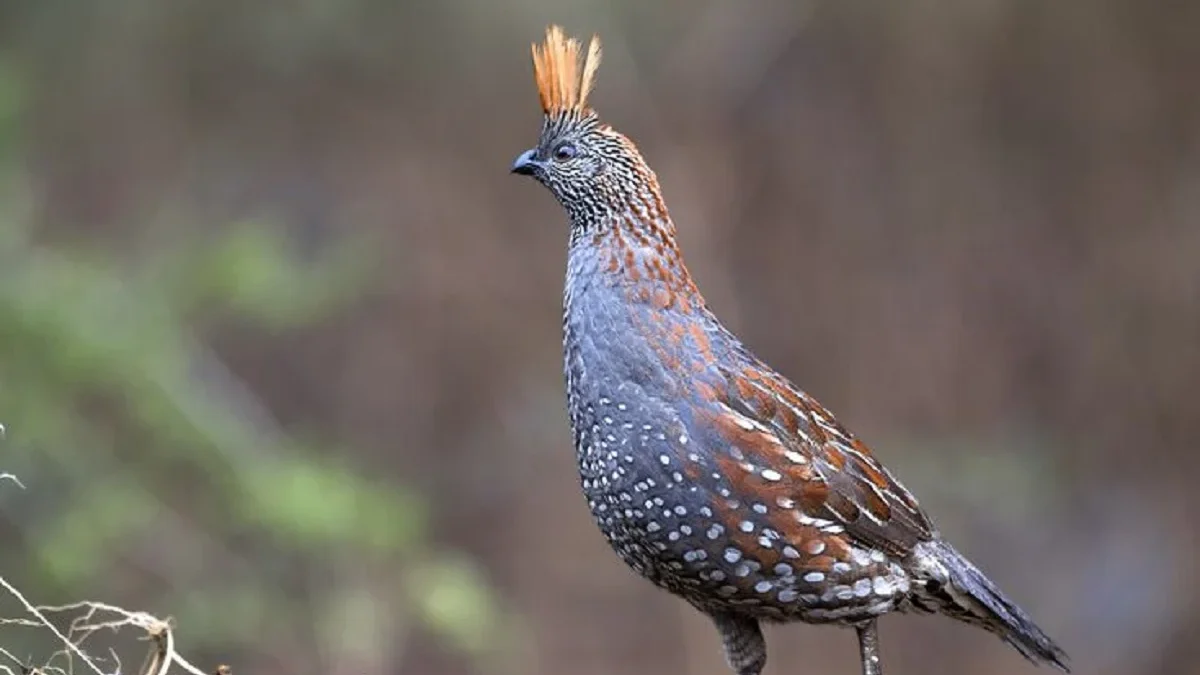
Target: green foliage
{"type": "Point", "coordinates": [250, 271]}
{"type": "Point", "coordinates": [132, 436]}
{"type": "Point", "coordinates": [351, 510]}
{"type": "Point", "coordinates": [459, 610]}
{"type": "Point", "coordinates": [80, 539]}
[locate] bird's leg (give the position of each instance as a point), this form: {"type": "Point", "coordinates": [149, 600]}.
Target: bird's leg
{"type": "Point", "coordinates": [745, 649]}
{"type": "Point", "coordinates": [868, 647]}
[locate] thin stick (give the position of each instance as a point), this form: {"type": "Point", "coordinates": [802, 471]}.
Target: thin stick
{"type": "Point", "coordinates": [29, 607]}
{"type": "Point", "coordinates": [158, 662]}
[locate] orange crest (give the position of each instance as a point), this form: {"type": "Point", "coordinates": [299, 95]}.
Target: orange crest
{"type": "Point", "coordinates": [563, 80]}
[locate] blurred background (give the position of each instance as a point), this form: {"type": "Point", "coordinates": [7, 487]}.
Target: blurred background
{"type": "Point", "coordinates": [280, 335]}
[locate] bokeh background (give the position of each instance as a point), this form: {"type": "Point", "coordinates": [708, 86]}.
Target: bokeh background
{"type": "Point", "coordinates": [280, 336]}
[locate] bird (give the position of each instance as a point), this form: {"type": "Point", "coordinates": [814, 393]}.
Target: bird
{"type": "Point", "coordinates": [709, 473]}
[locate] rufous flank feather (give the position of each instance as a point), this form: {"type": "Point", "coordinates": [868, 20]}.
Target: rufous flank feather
{"type": "Point", "coordinates": [563, 82]}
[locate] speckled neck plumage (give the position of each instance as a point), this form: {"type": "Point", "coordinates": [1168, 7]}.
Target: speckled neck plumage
{"type": "Point", "coordinates": [628, 238]}
{"type": "Point", "coordinates": [626, 291]}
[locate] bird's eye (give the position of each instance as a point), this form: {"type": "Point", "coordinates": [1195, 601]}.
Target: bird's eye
{"type": "Point", "coordinates": [565, 151]}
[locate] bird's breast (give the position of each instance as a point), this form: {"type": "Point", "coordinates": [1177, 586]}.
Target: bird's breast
{"type": "Point", "coordinates": [631, 400]}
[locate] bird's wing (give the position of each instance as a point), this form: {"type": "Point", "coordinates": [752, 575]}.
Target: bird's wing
{"type": "Point", "coordinates": [781, 446]}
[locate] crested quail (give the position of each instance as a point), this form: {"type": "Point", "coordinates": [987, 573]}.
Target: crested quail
{"type": "Point", "coordinates": [709, 473]}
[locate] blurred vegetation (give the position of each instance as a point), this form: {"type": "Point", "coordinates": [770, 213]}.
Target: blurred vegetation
{"type": "Point", "coordinates": [101, 361]}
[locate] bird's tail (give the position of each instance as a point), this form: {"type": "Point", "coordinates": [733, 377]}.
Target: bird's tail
{"type": "Point", "coordinates": [951, 585]}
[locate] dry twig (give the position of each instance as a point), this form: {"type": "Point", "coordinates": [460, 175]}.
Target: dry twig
{"type": "Point", "coordinates": [92, 617]}
{"type": "Point", "coordinates": [89, 618]}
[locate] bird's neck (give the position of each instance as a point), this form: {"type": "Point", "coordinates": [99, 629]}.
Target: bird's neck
{"type": "Point", "coordinates": [630, 247]}
{"type": "Point", "coordinates": [631, 310]}
{"type": "Point", "coordinates": [633, 314]}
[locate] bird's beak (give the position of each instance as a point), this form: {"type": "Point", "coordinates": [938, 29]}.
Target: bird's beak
{"type": "Point", "coordinates": [526, 163]}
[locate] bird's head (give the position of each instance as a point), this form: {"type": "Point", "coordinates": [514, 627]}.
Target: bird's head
{"type": "Point", "coordinates": [589, 167]}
